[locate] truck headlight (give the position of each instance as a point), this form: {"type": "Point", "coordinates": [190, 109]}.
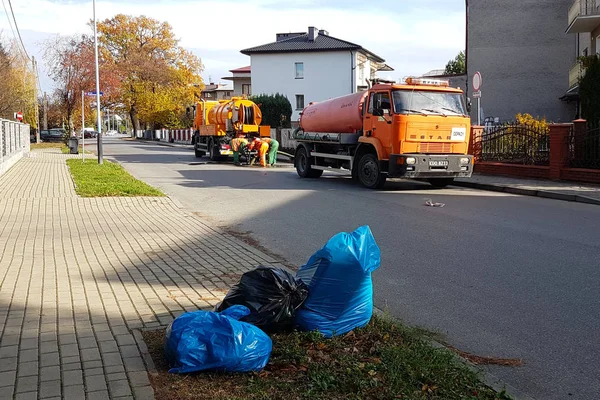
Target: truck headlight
{"type": "Point", "coordinates": [411, 160]}
{"type": "Point", "coordinates": [465, 161]}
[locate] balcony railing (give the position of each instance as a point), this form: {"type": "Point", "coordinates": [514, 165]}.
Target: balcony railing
{"type": "Point", "coordinates": [576, 73]}
{"type": "Point", "coordinates": [582, 16]}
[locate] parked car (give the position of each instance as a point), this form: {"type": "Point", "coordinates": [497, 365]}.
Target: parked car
{"type": "Point", "coordinates": [53, 135]}
{"type": "Point", "coordinates": [112, 132]}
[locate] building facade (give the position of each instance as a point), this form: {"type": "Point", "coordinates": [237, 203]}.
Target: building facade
{"type": "Point", "coordinates": [242, 84]}
{"type": "Point", "coordinates": [524, 55]}
{"type": "Point", "coordinates": [311, 66]}
{"type": "Point", "coordinates": [217, 91]}
{"type": "Point", "coordinates": [583, 24]}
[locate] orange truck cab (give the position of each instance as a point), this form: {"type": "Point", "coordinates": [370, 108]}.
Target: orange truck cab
{"type": "Point", "coordinates": [419, 130]}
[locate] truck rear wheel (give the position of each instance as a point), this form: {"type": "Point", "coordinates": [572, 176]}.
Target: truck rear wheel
{"type": "Point", "coordinates": [198, 153]}
{"type": "Point", "coordinates": [304, 163]}
{"type": "Point", "coordinates": [213, 151]}
{"type": "Point", "coordinates": [441, 183]}
{"type": "Point", "coordinates": [369, 173]}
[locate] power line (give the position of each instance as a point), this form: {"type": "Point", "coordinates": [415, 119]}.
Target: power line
{"type": "Point", "coordinates": [17, 28]}
{"type": "Point", "coordinates": [9, 21]}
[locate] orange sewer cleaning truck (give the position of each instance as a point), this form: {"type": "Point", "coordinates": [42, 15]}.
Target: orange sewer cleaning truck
{"type": "Point", "coordinates": [419, 130]}
{"type": "Point", "coordinates": [217, 122]}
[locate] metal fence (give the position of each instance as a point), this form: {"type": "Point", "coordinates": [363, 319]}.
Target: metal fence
{"type": "Point", "coordinates": [14, 142]}
{"type": "Point", "coordinates": [584, 149]}
{"type": "Point", "coordinates": [515, 144]}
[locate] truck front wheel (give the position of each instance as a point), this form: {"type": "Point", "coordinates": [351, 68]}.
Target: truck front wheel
{"type": "Point", "coordinates": [304, 163]}
{"type": "Point", "coordinates": [369, 173]}
{"type": "Point", "coordinates": [441, 183]}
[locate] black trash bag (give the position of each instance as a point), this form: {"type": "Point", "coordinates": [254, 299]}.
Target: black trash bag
{"type": "Point", "coordinates": [273, 295]}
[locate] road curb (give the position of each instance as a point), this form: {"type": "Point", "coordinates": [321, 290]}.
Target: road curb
{"type": "Point", "coordinates": [489, 379]}
{"type": "Point", "coordinates": [176, 145]}
{"type": "Point", "coordinates": [528, 192]}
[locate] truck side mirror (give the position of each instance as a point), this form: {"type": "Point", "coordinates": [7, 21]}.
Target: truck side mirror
{"type": "Point", "coordinates": [468, 105]}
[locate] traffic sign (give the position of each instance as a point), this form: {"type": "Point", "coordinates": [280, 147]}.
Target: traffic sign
{"type": "Point", "coordinates": [19, 116]}
{"type": "Point", "coordinates": [93, 94]}
{"type": "Point", "coordinates": [477, 81]}
{"type": "Point", "coordinates": [477, 94]}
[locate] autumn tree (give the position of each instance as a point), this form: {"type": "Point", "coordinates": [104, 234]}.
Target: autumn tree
{"type": "Point", "coordinates": [158, 78]}
{"type": "Point", "coordinates": [71, 65]}
{"type": "Point", "coordinates": [457, 66]}
{"type": "Point", "coordinates": [17, 84]}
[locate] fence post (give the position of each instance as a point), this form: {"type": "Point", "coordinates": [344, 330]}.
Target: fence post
{"type": "Point", "coordinates": [579, 131]}
{"type": "Point", "coordinates": [559, 148]}
{"type": "Point", "coordinates": [475, 141]}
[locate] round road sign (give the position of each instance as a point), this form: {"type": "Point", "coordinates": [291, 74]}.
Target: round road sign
{"type": "Point", "coordinates": [477, 81]}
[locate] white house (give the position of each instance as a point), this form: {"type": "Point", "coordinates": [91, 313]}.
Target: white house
{"type": "Point", "coordinates": [311, 66]}
{"type": "Point", "coordinates": [241, 81]}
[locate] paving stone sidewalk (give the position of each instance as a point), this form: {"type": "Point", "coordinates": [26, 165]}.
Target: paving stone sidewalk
{"type": "Point", "coordinates": [559, 190]}
{"type": "Point", "coordinates": [80, 276]}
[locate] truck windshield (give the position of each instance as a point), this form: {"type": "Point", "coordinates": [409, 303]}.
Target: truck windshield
{"type": "Point", "coordinates": [427, 102]}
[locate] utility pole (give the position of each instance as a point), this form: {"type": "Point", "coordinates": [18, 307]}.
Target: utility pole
{"type": "Point", "coordinates": [35, 97]}
{"type": "Point", "coordinates": [82, 126]}
{"type": "Point", "coordinates": [45, 112]}
{"type": "Point", "coordinates": [98, 118]}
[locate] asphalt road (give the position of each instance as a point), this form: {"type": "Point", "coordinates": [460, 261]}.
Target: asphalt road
{"type": "Point", "coordinates": [497, 274]}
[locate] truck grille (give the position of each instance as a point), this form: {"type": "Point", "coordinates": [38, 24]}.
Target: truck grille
{"type": "Point", "coordinates": [433, 147]}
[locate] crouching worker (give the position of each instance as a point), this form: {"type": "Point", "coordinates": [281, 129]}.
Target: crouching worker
{"type": "Point", "coordinates": [237, 145]}
{"type": "Point", "coordinates": [261, 147]}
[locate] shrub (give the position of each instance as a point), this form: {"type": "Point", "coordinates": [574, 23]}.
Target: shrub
{"type": "Point", "coordinates": [276, 110]}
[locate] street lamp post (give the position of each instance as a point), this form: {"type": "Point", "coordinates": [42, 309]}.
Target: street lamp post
{"type": "Point", "coordinates": [98, 118]}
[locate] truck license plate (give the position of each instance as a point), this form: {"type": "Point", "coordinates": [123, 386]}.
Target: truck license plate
{"type": "Point", "coordinates": [438, 163]}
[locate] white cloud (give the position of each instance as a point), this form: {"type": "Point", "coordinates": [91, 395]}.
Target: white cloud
{"type": "Point", "coordinates": [412, 39]}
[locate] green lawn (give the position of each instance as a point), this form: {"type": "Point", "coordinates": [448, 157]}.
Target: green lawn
{"type": "Point", "coordinates": [108, 179]}
{"type": "Point", "coordinates": [382, 361]}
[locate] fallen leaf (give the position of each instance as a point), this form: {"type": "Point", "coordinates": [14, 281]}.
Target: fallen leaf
{"type": "Point", "coordinates": [372, 373]}
{"type": "Point", "coordinates": [361, 365]}
{"type": "Point", "coordinates": [386, 336]}
{"type": "Point", "coordinates": [321, 346]}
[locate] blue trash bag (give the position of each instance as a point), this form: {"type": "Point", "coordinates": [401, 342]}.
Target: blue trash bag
{"type": "Point", "coordinates": [338, 276]}
{"type": "Point", "coordinates": [204, 340]}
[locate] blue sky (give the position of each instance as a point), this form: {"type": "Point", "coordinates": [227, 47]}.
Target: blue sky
{"type": "Point", "coordinates": [413, 36]}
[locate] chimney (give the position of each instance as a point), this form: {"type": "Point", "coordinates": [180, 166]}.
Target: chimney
{"type": "Point", "coordinates": [312, 33]}
{"type": "Point", "coordinates": [323, 32]}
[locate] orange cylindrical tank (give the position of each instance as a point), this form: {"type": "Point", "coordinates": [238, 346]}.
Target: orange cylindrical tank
{"type": "Point", "coordinates": [338, 115]}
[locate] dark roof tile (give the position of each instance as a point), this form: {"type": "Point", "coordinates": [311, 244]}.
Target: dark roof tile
{"type": "Point", "coordinates": [301, 43]}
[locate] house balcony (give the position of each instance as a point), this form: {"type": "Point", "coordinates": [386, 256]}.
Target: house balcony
{"type": "Point", "coordinates": [584, 16]}
{"type": "Point", "coordinates": [576, 73]}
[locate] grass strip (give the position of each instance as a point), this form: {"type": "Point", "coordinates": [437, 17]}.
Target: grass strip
{"type": "Point", "coordinates": [106, 179]}
{"type": "Point", "coordinates": [382, 361]}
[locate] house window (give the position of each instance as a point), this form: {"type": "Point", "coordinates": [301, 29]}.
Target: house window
{"type": "Point", "coordinates": [361, 72]}
{"type": "Point", "coordinates": [246, 89]}
{"type": "Point", "coordinates": [299, 102]}
{"type": "Point", "coordinates": [299, 67]}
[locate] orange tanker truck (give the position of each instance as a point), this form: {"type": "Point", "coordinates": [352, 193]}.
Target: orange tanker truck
{"type": "Point", "coordinates": [419, 130]}
{"type": "Point", "coordinates": [217, 122]}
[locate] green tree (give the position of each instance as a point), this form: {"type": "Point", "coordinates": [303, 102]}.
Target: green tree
{"type": "Point", "coordinates": [457, 66]}
{"type": "Point", "coordinates": [276, 109]}
{"type": "Point", "coordinates": [589, 90]}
